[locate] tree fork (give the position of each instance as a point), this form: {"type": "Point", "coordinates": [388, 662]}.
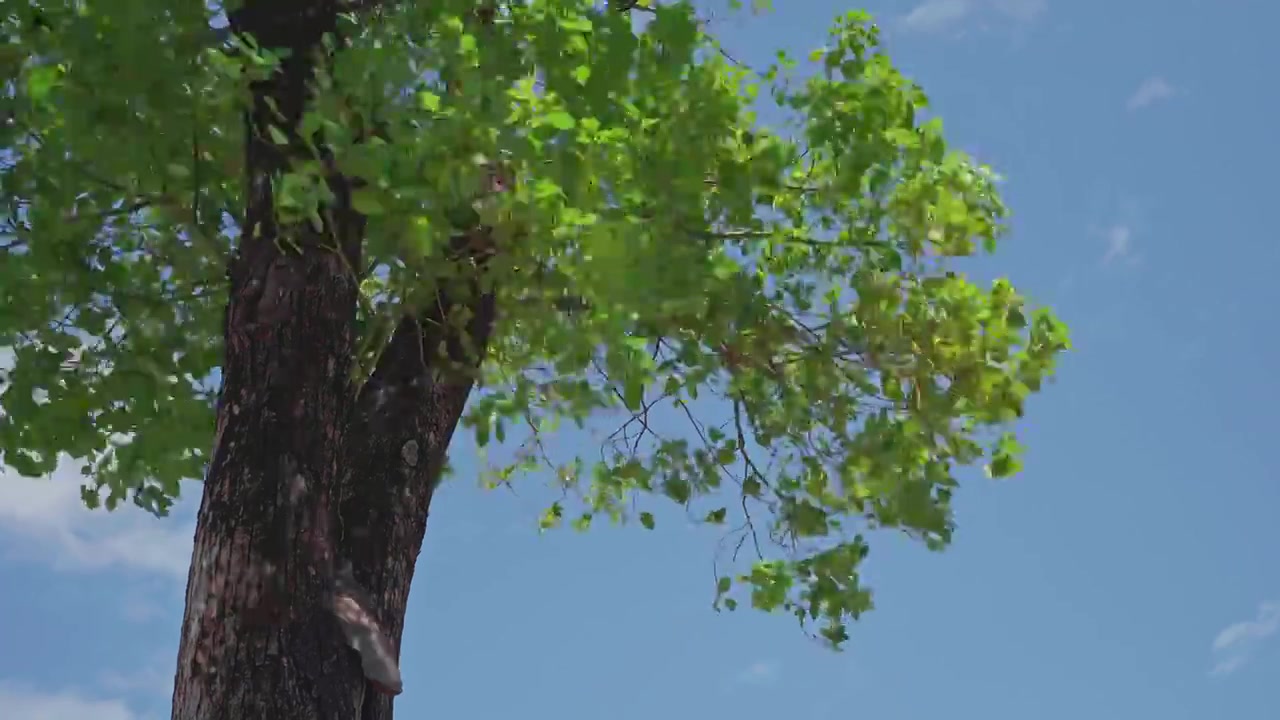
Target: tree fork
{"type": "Point", "coordinates": [399, 436]}
{"type": "Point", "coordinates": [294, 441]}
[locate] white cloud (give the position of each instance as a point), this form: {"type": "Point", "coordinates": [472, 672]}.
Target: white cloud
{"type": "Point", "coordinates": [154, 678]}
{"type": "Point", "coordinates": [759, 673]}
{"type": "Point", "coordinates": [936, 15]}
{"type": "Point", "coordinates": [933, 16]}
{"type": "Point", "coordinates": [28, 704]}
{"type": "Point", "coordinates": [1151, 91]}
{"type": "Point", "coordinates": [1236, 643]}
{"type": "Point", "coordinates": [137, 608]}
{"type": "Point", "coordinates": [1119, 244]}
{"type": "Point", "coordinates": [48, 514]}
{"type": "Point", "coordinates": [1020, 10]}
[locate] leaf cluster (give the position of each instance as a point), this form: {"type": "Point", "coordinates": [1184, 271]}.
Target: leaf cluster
{"type": "Point", "coordinates": [773, 313]}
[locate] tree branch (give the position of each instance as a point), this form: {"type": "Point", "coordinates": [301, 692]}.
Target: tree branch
{"type": "Point", "coordinates": [398, 437]}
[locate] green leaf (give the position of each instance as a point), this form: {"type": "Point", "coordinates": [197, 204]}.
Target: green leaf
{"type": "Point", "coordinates": [41, 80]}
{"type": "Point", "coordinates": [633, 394]}
{"type": "Point", "coordinates": [367, 202]}
{"type": "Point", "coordinates": [428, 101]}
{"type": "Point", "coordinates": [576, 24]}
{"type": "Point", "coordinates": [1005, 457]}
{"type": "Point", "coordinates": [560, 120]}
{"type": "Point", "coordinates": [552, 517]}
{"type": "Point", "coordinates": [646, 519]}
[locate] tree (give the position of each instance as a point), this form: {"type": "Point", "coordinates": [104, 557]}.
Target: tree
{"type": "Point", "coordinates": [348, 214]}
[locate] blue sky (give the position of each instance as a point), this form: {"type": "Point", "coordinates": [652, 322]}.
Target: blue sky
{"type": "Point", "coordinates": [1123, 575]}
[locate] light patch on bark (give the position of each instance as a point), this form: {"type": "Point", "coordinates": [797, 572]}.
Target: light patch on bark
{"type": "Point", "coordinates": [409, 453]}
{"type": "Point", "coordinates": [365, 635]}
{"type": "Point", "coordinates": [297, 488]}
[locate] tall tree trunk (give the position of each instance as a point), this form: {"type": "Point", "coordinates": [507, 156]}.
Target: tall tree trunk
{"type": "Point", "coordinates": [307, 473]}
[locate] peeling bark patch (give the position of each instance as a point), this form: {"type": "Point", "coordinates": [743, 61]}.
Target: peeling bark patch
{"type": "Point", "coordinates": [297, 488]}
{"type": "Point", "coordinates": [350, 604]}
{"type": "Point", "coordinates": [365, 635]}
{"type": "Point", "coordinates": [381, 396]}
{"type": "Point", "coordinates": [409, 453]}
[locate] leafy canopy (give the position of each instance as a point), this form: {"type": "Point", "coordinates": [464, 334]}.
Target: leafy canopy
{"type": "Point", "coordinates": [785, 293]}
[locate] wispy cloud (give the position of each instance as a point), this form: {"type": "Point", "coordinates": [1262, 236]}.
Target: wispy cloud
{"type": "Point", "coordinates": [1236, 643]}
{"type": "Point", "coordinates": [1150, 91]}
{"type": "Point", "coordinates": [758, 673]}
{"type": "Point", "coordinates": [937, 15]}
{"type": "Point", "coordinates": [21, 702]}
{"type": "Point", "coordinates": [1119, 244]}
{"type": "Point", "coordinates": [1025, 11]}
{"type": "Point", "coordinates": [141, 603]}
{"type": "Point", "coordinates": [932, 16]}
{"type": "Point", "coordinates": [46, 515]}
{"type": "Point", "coordinates": [154, 678]}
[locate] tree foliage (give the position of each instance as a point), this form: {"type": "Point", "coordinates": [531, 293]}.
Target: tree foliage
{"type": "Point", "coordinates": [789, 293]}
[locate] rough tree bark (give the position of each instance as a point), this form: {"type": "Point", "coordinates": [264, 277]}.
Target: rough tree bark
{"type": "Point", "coordinates": [309, 472]}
